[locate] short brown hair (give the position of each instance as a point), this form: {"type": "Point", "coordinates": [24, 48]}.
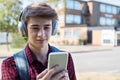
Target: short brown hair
{"type": "Point", "coordinates": [39, 9]}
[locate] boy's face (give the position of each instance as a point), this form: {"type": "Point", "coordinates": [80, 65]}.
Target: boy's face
{"type": "Point", "coordinates": [39, 31]}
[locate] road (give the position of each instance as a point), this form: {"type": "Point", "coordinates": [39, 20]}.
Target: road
{"type": "Point", "coordinates": [95, 61]}
{"type": "Point", "coordinates": [98, 61]}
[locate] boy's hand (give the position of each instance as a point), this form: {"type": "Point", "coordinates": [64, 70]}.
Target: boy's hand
{"type": "Point", "coordinates": [55, 73]}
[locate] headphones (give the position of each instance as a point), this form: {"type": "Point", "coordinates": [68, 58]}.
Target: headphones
{"type": "Point", "coordinates": [22, 28]}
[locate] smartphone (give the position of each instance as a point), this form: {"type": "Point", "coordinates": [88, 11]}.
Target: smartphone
{"type": "Point", "coordinates": [58, 58]}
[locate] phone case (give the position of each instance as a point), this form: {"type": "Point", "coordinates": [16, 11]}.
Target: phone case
{"type": "Point", "coordinates": [60, 58]}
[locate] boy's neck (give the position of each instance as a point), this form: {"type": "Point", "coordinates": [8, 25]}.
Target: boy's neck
{"type": "Point", "coordinates": [40, 53]}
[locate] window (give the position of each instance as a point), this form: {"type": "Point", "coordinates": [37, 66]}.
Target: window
{"type": "Point", "coordinates": [118, 10]}
{"type": "Point", "coordinates": [77, 34]}
{"type": "Point", "coordinates": [68, 34]}
{"type": "Point", "coordinates": [108, 9]}
{"type": "Point", "coordinates": [108, 21]}
{"type": "Point", "coordinates": [106, 41]}
{"type": "Point", "coordinates": [113, 21]}
{"type": "Point", "coordinates": [102, 8]}
{"type": "Point", "coordinates": [77, 19]}
{"type": "Point", "coordinates": [72, 4]}
{"type": "Point", "coordinates": [77, 5]}
{"type": "Point", "coordinates": [73, 19]}
{"type": "Point", "coordinates": [69, 19]}
{"type": "Point", "coordinates": [114, 10]}
{"type": "Point", "coordinates": [102, 21]}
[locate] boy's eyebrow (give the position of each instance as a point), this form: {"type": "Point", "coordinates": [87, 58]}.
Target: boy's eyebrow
{"type": "Point", "coordinates": [47, 25]}
{"type": "Point", "coordinates": [34, 24]}
{"type": "Point", "coordinates": [38, 25]}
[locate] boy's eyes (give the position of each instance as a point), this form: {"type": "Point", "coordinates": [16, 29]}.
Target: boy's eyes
{"type": "Point", "coordinates": [36, 28]}
{"type": "Point", "coordinates": [46, 27]}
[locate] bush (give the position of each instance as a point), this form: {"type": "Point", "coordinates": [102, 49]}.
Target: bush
{"type": "Point", "coordinates": [65, 42]}
{"type": "Point", "coordinates": [18, 41]}
{"type": "Point", "coordinates": [82, 41]}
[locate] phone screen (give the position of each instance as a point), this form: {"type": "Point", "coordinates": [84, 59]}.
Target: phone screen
{"type": "Point", "coordinates": [58, 58]}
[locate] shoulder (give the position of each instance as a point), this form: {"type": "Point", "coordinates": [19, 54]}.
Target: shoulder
{"type": "Point", "coordinates": [9, 70]}
{"type": "Point", "coordinates": [8, 62]}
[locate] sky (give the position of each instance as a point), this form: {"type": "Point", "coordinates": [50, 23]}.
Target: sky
{"type": "Point", "coordinates": [114, 2]}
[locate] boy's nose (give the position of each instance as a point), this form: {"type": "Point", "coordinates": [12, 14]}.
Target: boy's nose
{"type": "Point", "coordinates": [41, 32]}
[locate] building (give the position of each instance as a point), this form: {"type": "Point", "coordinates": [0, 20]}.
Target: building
{"type": "Point", "coordinates": [93, 22]}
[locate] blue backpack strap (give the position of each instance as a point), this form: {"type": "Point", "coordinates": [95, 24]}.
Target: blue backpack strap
{"type": "Point", "coordinates": [22, 65]}
{"type": "Point", "coordinates": [54, 49]}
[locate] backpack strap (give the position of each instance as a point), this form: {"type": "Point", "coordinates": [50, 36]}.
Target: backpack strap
{"type": "Point", "coordinates": [54, 49]}
{"type": "Point", "coordinates": [22, 65]}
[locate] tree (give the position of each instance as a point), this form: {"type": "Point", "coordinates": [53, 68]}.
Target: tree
{"type": "Point", "coordinates": [52, 1]}
{"type": "Point", "coordinates": [9, 14]}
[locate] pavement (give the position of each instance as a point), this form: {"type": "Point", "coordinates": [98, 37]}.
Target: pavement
{"type": "Point", "coordinates": [84, 48]}
{"type": "Point", "coordinates": [4, 52]}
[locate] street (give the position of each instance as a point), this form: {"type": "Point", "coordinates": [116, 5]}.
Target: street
{"type": "Point", "coordinates": [95, 61]}
{"type": "Point", "coordinates": [98, 61]}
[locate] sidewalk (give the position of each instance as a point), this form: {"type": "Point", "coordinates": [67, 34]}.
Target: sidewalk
{"type": "Point", "coordinates": [73, 49]}
{"type": "Point", "coordinates": [84, 48]}
{"type": "Point", "coordinates": [4, 52]}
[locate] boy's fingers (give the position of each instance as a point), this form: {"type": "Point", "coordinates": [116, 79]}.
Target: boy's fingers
{"type": "Point", "coordinates": [51, 72]}
{"type": "Point", "coordinates": [42, 74]}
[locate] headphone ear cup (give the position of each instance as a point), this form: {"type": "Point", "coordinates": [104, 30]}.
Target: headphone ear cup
{"type": "Point", "coordinates": [54, 27]}
{"type": "Point", "coordinates": [22, 29]}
